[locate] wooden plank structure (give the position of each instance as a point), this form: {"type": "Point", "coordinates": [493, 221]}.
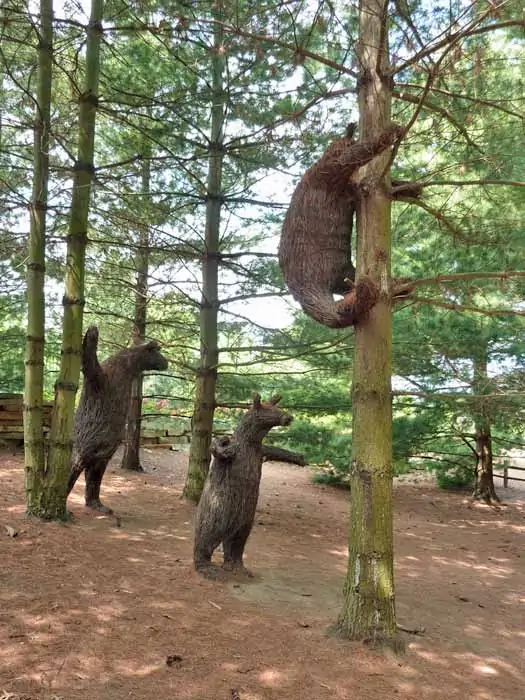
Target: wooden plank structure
{"type": "Point", "coordinates": [11, 416]}
{"type": "Point", "coordinates": [162, 438]}
{"type": "Point", "coordinates": [12, 424]}
{"type": "Point", "coordinates": [12, 431]}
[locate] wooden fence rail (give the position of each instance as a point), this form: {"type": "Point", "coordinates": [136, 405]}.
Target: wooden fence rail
{"type": "Point", "coordinates": [12, 424]}
{"type": "Point", "coordinates": [505, 476]}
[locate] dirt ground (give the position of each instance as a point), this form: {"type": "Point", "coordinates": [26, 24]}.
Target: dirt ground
{"type": "Point", "coordinates": [99, 612]}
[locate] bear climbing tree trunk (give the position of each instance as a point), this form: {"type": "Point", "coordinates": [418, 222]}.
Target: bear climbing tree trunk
{"type": "Point", "coordinates": [368, 611]}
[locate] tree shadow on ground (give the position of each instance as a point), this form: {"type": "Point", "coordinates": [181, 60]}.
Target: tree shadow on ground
{"type": "Point", "coordinates": [91, 610]}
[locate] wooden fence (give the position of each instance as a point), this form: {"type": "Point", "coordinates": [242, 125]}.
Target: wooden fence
{"type": "Point", "coordinates": [11, 416]}
{"type": "Point", "coordinates": [505, 476]}
{"type": "Point", "coordinates": [12, 425]}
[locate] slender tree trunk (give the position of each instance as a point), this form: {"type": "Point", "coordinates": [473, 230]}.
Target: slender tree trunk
{"type": "Point", "coordinates": [204, 407]}
{"type": "Point", "coordinates": [369, 601]}
{"type": "Point", "coordinates": [34, 451]}
{"type": "Point", "coordinates": [131, 456]}
{"type": "Point", "coordinates": [484, 488]}
{"type": "Point", "coordinates": [62, 424]}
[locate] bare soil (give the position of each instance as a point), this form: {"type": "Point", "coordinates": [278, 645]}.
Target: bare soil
{"type": "Point", "coordinates": [95, 611]}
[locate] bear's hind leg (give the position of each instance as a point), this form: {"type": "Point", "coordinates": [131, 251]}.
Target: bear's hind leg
{"type": "Point", "coordinates": [94, 475]}
{"type": "Point", "coordinates": [234, 551]}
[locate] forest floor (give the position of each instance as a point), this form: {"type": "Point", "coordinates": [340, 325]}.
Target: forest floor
{"type": "Point", "coordinates": [95, 611]}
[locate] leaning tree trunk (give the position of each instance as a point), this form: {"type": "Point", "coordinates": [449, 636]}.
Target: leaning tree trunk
{"type": "Point", "coordinates": [131, 455]}
{"type": "Point", "coordinates": [34, 452]}
{"type": "Point", "coordinates": [368, 611]}
{"type": "Point", "coordinates": [484, 488]}
{"type": "Point", "coordinates": [62, 424]}
{"type": "Point", "coordinates": [206, 380]}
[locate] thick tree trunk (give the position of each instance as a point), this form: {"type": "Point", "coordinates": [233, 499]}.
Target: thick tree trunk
{"type": "Point", "coordinates": [34, 452]}
{"type": "Point", "coordinates": [484, 488]}
{"type": "Point", "coordinates": [62, 424]}
{"type": "Point", "coordinates": [131, 456]}
{"type": "Point", "coordinates": [369, 601]}
{"type": "Point", "coordinates": [206, 376]}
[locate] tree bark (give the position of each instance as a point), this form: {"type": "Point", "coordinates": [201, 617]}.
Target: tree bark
{"type": "Point", "coordinates": [206, 376]}
{"type": "Point", "coordinates": [62, 424]}
{"type": "Point", "coordinates": [34, 450]}
{"type": "Point", "coordinates": [368, 611]}
{"type": "Point", "coordinates": [484, 488]}
{"type": "Point", "coordinates": [131, 455]}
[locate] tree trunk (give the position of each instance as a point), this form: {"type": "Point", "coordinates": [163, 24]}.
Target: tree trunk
{"type": "Point", "coordinates": [484, 488]}
{"type": "Point", "coordinates": [368, 612]}
{"type": "Point", "coordinates": [62, 424]}
{"type": "Point", "coordinates": [206, 379]}
{"type": "Point", "coordinates": [34, 451]}
{"type": "Point", "coordinates": [131, 456]}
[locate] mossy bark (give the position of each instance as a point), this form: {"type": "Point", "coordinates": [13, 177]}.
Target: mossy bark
{"type": "Point", "coordinates": [206, 375]}
{"type": "Point", "coordinates": [34, 447]}
{"type": "Point", "coordinates": [484, 488]}
{"type": "Point", "coordinates": [131, 454]}
{"type": "Point", "coordinates": [62, 424]}
{"type": "Point", "coordinates": [368, 612]}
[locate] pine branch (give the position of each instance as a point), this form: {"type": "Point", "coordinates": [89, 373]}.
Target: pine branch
{"type": "Point", "coordinates": [469, 30]}
{"type": "Point", "coordinates": [460, 183]}
{"type": "Point", "coordinates": [455, 397]}
{"type": "Point", "coordinates": [467, 443]}
{"type": "Point", "coordinates": [242, 297]}
{"type": "Point", "coordinates": [461, 307]}
{"type": "Point", "coordinates": [439, 216]}
{"type": "Point", "coordinates": [461, 276]}
{"type": "Point", "coordinates": [298, 51]}
{"type": "Point", "coordinates": [423, 103]}
{"type": "Point", "coordinates": [493, 104]}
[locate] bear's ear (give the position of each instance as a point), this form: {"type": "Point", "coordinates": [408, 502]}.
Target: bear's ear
{"type": "Point", "coordinates": [256, 400]}
{"type": "Point", "coordinates": [275, 399]}
{"type": "Point", "coordinates": [350, 130]}
{"type": "Point", "coordinates": [152, 345]}
{"type": "Point", "coordinates": [91, 338]}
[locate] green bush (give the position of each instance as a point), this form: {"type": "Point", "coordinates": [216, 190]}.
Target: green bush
{"type": "Point", "coordinates": [328, 474]}
{"type": "Point", "coordinates": [340, 476]}
{"type": "Point", "coordinates": [458, 477]}
{"type": "Point", "coordinates": [321, 442]}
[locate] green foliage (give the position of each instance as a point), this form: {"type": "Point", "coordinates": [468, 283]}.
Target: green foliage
{"type": "Point", "coordinates": [12, 365]}
{"type": "Point", "coordinates": [281, 113]}
{"type": "Point", "coordinates": [460, 476]}
{"type": "Point", "coordinates": [12, 332]}
{"type": "Point", "coordinates": [320, 440]}
{"type": "Point", "coordinates": [330, 476]}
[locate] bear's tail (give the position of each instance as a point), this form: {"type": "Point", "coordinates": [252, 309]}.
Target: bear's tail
{"type": "Point", "coordinates": [320, 305]}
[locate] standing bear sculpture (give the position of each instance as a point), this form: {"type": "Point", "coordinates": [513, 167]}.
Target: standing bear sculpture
{"type": "Point", "coordinates": [101, 415]}
{"type": "Point", "coordinates": [227, 506]}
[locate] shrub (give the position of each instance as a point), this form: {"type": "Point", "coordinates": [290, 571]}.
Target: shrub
{"type": "Point", "coordinates": [457, 477]}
